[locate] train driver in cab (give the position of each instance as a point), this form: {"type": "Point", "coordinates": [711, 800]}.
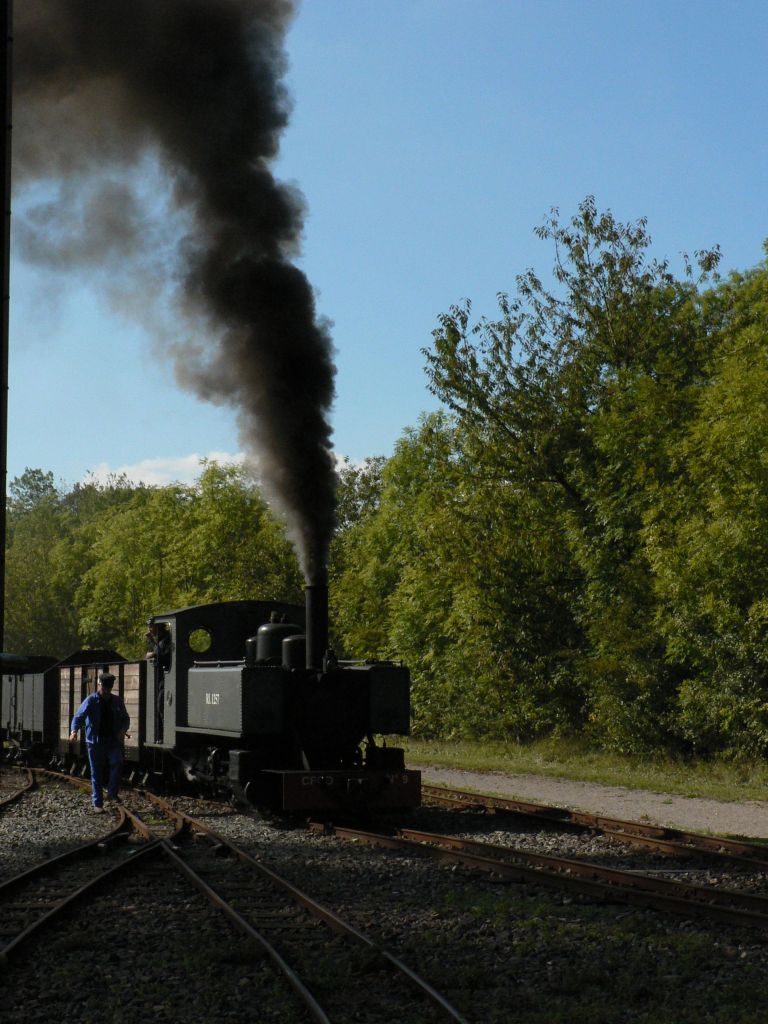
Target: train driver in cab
{"type": "Point", "coordinates": [159, 646]}
{"type": "Point", "coordinates": [158, 639]}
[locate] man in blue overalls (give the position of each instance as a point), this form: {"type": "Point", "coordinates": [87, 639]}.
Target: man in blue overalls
{"type": "Point", "coordinates": [106, 723]}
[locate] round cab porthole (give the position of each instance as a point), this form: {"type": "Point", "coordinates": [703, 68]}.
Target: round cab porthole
{"type": "Point", "coordinates": [200, 641]}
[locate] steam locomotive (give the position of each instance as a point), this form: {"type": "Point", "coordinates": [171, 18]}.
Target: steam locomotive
{"type": "Point", "coordinates": [241, 697]}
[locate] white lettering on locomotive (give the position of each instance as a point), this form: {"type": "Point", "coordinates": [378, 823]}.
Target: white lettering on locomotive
{"type": "Point", "coordinates": [397, 780]}
{"type": "Point", "coordinates": [317, 780]}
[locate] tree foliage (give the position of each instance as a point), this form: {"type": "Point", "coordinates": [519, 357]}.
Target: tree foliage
{"type": "Point", "coordinates": [433, 577]}
{"type": "Point", "coordinates": [562, 560]}
{"type": "Point", "coordinates": [87, 567]}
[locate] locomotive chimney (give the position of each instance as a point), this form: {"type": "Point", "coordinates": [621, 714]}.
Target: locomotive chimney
{"type": "Point", "coordinates": [316, 604]}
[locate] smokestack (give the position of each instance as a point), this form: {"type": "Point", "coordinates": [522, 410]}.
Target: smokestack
{"type": "Point", "coordinates": [316, 604]}
{"type": "Point", "coordinates": [157, 121]}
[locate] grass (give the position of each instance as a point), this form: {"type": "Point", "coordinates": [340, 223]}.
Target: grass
{"type": "Point", "coordinates": [573, 759]}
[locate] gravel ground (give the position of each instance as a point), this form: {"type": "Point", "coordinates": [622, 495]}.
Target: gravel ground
{"type": "Point", "coordinates": [47, 821]}
{"type": "Point", "coordinates": [151, 949]}
{"type": "Point", "coordinates": [722, 817]}
{"type": "Point", "coordinates": [501, 952]}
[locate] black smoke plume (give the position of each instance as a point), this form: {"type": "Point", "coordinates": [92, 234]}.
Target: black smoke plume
{"type": "Point", "coordinates": [107, 90]}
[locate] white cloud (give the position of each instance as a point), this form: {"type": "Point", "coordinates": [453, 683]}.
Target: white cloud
{"type": "Point", "coordinates": [184, 469]}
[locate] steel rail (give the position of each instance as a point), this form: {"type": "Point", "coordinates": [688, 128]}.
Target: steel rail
{"type": "Point", "coordinates": [19, 793]}
{"type": "Point", "coordinates": [664, 839]}
{"type": "Point", "coordinates": [185, 823]}
{"type": "Point", "coordinates": [298, 986]}
{"type": "Point", "coordinates": [126, 821]}
{"type": "Point", "coordinates": [322, 913]}
{"type": "Point", "coordinates": [580, 876]}
{"type": "Point", "coordinates": [146, 830]}
{"type": "Point", "coordinates": [341, 926]}
{"type": "Point", "coordinates": [44, 866]}
{"type": "Point", "coordinates": [138, 824]}
{"type": "Point", "coordinates": [586, 869]}
{"type": "Point", "coordinates": [77, 894]}
{"type": "Point", "coordinates": [154, 844]}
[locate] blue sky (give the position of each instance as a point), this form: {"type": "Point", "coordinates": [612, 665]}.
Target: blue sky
{"type": "Point", "coordinates": [429, 138]}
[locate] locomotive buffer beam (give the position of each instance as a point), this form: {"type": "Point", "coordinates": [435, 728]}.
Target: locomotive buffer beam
{"type": "Point", "coordinates": [316, 791]}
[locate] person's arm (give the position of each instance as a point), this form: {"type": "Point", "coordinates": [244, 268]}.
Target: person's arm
{"type": "Point", "coordinates": [125, 723]}
{"type": "Point", "coordinates": [77, 720]}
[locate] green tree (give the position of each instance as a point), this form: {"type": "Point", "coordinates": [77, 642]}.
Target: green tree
{"type": "Point", "coordinates": [358, 497]}
{"type": "Point", "coordinates": [707, 539]}
{"type": "Point", "coordinates": [235, 548]}
{"type": "Point", "coordinates": [432, 577]}
{"type": "Point", "coordinates": [174, 546]}
{"type": "Point", "coordinates": [129, 576]}
{"type": "Point", "coordinates": [38, 608]}
{"type": "Point", "coordinates": [573, 396]}
{"type": "Point", "coordinates": [31, 490]}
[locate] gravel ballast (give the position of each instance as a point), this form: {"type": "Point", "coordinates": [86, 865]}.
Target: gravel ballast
{"type": "Point", "coordinates": [501, 952]}
{"type": "Point", "coordinates": [47, 821]}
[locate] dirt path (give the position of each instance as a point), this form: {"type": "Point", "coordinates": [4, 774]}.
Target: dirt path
{"type": "Point", "coordinates": [696, 813]}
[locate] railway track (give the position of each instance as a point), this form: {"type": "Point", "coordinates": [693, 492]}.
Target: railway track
{"type": "Point", "coordinates": [645, 887]}
{"type": "Point", "coordinates": [281, 924]}
{"type": "Point", "coordinates": [495, 948]}
{"type": "Point", "coordinates": [14, 783]}
{"type": "Point", "coordinates": [31, 900]}
{"type": "Point", "coordinates": [293, 928]}
{"type": "Point", "coordinates": [660, 839]}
